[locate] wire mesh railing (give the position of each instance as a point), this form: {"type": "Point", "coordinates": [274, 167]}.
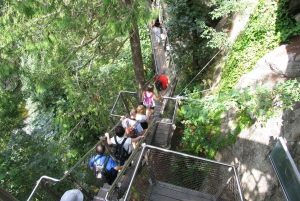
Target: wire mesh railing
{"type": "Point", "coordinates": [160, 170]}
{"type": "Point", "coordinates": [79, 176]}
{"type": "Point", "coordinates": [116, 192]}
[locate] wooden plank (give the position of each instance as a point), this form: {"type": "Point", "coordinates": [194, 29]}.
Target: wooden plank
{"type": "Point", "coordinates": [161, 139]}
{"type": "Point", "coordinates": [159, 193]}
{"type": "Point", "coordinates": [155, 197]}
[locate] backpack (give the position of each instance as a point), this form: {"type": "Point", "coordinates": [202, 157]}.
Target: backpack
{"type": "Point", "coordinates": [148, 102]}
{"type": "Point", "coordinates": [119, 151]}
{"type": "Point", "coordinates": [158, 84]}
{"type": "Point", "coordinates": [131, 130]}
{"type": "Point", "coordinates": [100, 170]}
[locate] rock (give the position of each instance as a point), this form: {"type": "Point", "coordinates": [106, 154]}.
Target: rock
{"type": "Point", "coordinates": [254, 145]}
{"type": "Point", "coordinates": [285, 60]}
{"type": "Point", "coordinates": [274, 67]}
{"type": "Point", "coordinates": [294, 7]}
{"type": "Point", "coordinates": [297, 17]}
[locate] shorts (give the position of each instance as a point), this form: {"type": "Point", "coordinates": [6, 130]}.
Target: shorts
{"type": "Point", "coordinates": [161, 89]}
{"type": "Point", "coordinates": [152, 108]}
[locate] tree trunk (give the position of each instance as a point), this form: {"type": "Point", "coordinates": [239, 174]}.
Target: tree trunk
{"type": "Point", "coordinates": [137, 58]}
{"type": "Point", "coordinates": [196, 42]}
{"type": "Point", "coordinates": [136, 52]}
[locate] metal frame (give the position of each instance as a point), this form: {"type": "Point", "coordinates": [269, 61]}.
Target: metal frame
{"type": "Point", "coordinates": [295, 169]}
{"type": "Point", "coordinates": [153, 51]}
{"type": "Point", "coordinates": [126, 107]}
{"type": "Point", "coordinates": [44, 177]}
{"type": "Point", "coordinates": [121, 173]}
{"type": "Point", "coordinates": [175, 110]}
{"type": "Point", "coordinates": [185, 155]}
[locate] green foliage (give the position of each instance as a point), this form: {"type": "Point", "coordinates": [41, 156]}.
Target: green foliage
{"type": "Point", "coordinates": [26, 158]}
{"type": "Point", "coordinates": [12, 111]}
{"type": "Point", "coordinates": [269, 25]}
{"type": "Point", "coordinates": [207, 118]}
{"type": "Point", "coordinates": [223, 8]}
{"type": "Point", "coordinates": [193, 33]}
{"type": "Point", "coordinates": [286, 26]}
{"type": "Point", "coordinates": [70, 59]}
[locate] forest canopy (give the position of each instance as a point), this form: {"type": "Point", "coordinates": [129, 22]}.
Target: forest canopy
{"type": "Point", "coordinates": [64, 62]}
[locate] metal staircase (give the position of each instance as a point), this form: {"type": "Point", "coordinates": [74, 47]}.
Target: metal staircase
{"type": "Point", "coordinates": [157, 173]}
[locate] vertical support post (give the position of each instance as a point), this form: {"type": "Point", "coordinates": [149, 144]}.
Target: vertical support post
{"type": "Point", "coordinates": [80, 187]}
{"type": "Point", "coordinates": [137, 97]}
{"type": "Point", "coordinates": [124, 103]}
{"type": "Point", "coordinates": [152, 176]}
{"type": "Point", "coordinates": [112, 120]}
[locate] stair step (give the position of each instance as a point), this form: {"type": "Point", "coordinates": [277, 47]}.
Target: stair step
{"type": "Point", "coordinates": [103, 190]}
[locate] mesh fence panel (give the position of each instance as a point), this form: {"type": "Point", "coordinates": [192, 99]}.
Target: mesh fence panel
{"type": "Point", "coordinates": [189, 175]}
{"type": "Point", "coordinates": [79, 177]}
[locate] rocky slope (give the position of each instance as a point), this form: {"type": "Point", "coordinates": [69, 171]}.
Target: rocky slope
{"type": "Point", "coordinates": [253, 146]}
{"type": "Point", "coordinates": [252, 149]}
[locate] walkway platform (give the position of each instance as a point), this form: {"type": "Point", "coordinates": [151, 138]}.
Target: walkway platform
{"type": "Point", "coordinates": [167, 192]}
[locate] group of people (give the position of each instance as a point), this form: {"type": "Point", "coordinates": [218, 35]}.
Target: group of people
{"type": "Point", "coordinates": [137, 121]}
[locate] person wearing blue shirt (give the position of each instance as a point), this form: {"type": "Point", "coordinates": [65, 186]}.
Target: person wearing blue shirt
{"type": "Point", "coordinates": [111, 165]}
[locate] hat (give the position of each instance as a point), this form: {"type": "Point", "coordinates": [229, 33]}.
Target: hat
{"type": "Point", "coordinates": [72, 195]}
{"type": "Point", "coordinates": [163, 71]}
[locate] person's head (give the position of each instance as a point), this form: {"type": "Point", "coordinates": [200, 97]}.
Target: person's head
{"type": "Point", "coordinates": [120, 131]}
{"type": "Point", "coordinates": [72, 195]}
{"type": "Point", "coordinates": [150, 88]}
{"type": "Point", "coordinates": [163, 71]}
{"type": "Point", "coordinates": [141, 109]}
{"type": "Point", "coordinates": [100, 149]}
{"type": "Point", "coordinates": [133, 113]}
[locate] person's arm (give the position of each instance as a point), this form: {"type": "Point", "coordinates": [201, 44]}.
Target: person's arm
{"type": "Point", "coordinates": [108, 138]}
{"type": "Point", "coordinates": [92, 164]}
{"type": "Point", "coordinates": [139, 128]}
{"type": "Point", "coordinates": [156, 98]}
{"type": "Point", "coordinates": [118, 167]}
{"type": "Point", "coordinates": [145, 118]}
{"type": "Point", "coordinates": [137, 139]}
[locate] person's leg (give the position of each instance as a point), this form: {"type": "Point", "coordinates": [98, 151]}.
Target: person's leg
{"type": "Point", "coordinates": [148, 113]}
{"type": "Point", "coordinates": [122, 162]}
{"type": "Point", "coordinates": [102, 181]}
{"type": "Point", "coordinates": [152, 110]}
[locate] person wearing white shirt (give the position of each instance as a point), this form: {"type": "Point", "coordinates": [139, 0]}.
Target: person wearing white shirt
{"type": "Point", "coordinates": [141, 117]}
{"type": "Point", "coordinates": [120, 135]}
{"type": "Point", "coordinates": [132, 121]}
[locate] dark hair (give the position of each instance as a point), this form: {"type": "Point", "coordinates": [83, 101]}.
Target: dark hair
{"type": "Point", "coordinates": [150, 88]}
{"type": "Point", "coordinates": [133, 112]}
{"type": "Point", "coordinates": [120, 131]}
{"type": "Point", "coordinates": [100, 149]}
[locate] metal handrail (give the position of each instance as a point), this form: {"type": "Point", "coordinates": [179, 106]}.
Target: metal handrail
{"type": "Point", "coordinates": [168, 43]}
{"type": "Point", "coordinates": [153, 52]}
{"type": "Point", "coordinates": [185, 155]}
{"type": "Point", "coordinates": [121, 173]}
{"type": "Point", "coordinates": [114, 106]}
{"type": "Point", "coordinates": [44, 177]}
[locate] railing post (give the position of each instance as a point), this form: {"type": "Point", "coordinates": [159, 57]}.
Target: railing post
{"type": "Point", "coordinates": [125, 104]}
{"type": "Point", "coordinates": [112, 120]}
{"type": "Point", "coordinates": [80, 187]}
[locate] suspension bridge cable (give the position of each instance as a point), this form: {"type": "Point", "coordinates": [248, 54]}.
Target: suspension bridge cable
{"type": "Point", "coordinates": [202, 69]}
